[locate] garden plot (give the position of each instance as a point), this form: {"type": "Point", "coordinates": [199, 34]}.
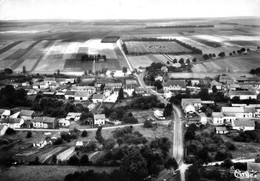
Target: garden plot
{"type": "Point", "coordinates": [43, 158]}
{"type": "Point", "coordinates": [140, 61]}
{"type": "Point", "coordinates": [28, 64]}
{"type": "Point", "coordinates": [13, 50]}
{"type": "Point", "coordinates": [65, 155]}
{"type": "Point", "coordinates": [154, 46]}
{"type": "Point", "coordinates": [5, 43]}
{"type": "Point", "coordinates": [37, 51]}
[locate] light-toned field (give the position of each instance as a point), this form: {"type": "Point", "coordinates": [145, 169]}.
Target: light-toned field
{"type": "Point", "coordinates": [11, 51]}
{"type": "Point", "coordinates": [28, 63]}
{"type": "Point", "coordinates": [140, 61]}
{"type": "Point", "coordinates": [65, 155]}
{"type": "Point", "coordinates": [5, 43]}
{"type": "Point", "coordinates": [96, 47]}
{"type": "Point", "coordinates": [7, 63]}
{"type": "Point", "coordinates": [243, 63]}
{"type": "Point", "coordinates": [154, 47]}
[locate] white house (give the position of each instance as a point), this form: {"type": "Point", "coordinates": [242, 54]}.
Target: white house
{"type": "Point", "coordinates": [82, 95]}
{"type": "Point", "coordinates": [73, 116]}
{"type": "Point", "coordinates": [217, 118]}
{"type": "Point", "coordinates": [203, 118]}
{"type": "Point", "coordinates": [174, 85]}
{"type": "Point", "coordinates": [243, 95]}
{"type": "Point", "coordinates": [13, 123]}
{"type": "Point", "coordinates": [80, 88]}
{"type": "Point", "coordinates": [69, 95]}
{"type": "Point", "coordinates": [26, 114]}
{"type": "Point", "coordinates": [45, 122]}
{"type": "Point", "coordinates": [221, 130]}
{"type": "Point", "coordinates": [64, 122]}
{"type": "Point", "coordinates": [190, 105]}
{"type": "Point", "coordinates": [3, 129]}
{"type": "Point", "coordinates": [4, 113]}
{"type": "Point", "coordinates": [244, 125]}
{"type": "Point", "coordinates": [217, 84]}
{"type": "Point", "coordinates": [99, 119]}
{"type": "Point", "coordinates": [97, 98]}
{"type": "Point", "coordinates": [239, 112]}
{"type": "Point", "coordinates": [159, 114]}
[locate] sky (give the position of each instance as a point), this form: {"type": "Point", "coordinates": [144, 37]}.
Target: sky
{"type": "Point", "coordinates": [125, 9]}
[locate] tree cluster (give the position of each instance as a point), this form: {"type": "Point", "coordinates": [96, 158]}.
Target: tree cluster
{"type": "Point", "coordinates": [86, 57]}
{"type": "Point", "coordinates": [10, 97]}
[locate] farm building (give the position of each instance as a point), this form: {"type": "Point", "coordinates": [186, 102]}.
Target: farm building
{"type": "Point", "coordinates": [224, 79]}
{"type": "Point", "coordinates": [26, 114]}
{"type": "Point", "coordinates": [49, 80]}
{"type": "Point", "coordinates": [218, 118]}
{"type": "Point", "coordinates": [64, 122]}
{"type": "Point", "coordinates": [3, 129]}
{"type": "Point", "coordinates": [239, 112]}
{"type": "Point", "coordinates": [97, 98]}
{"type": "Point", "coordinates": [221, 130]}
{"type": "Point", "coordinates": [217, 84]}
{"type": "Point", "coordinates": [174, 85]}
{"type": "Point", "coordinates": [190, 105]}
{"type": "Point", "coordinates": [4, 113]}
{"type": "Point", "coordinates": [73, 116]}
{"type": "Point", "coordinates": [69, 95]}
{"type": "Point", "coordinates": [203, 118]}
{"type": "Point", "coordinates": [99, 119]}
{"type": "Point", "coordinates": [81, 96]}
{"type": "Point", "coordinates": [244, 125]}
{"type": "Point", "coordinates": [89, 89]}
{"type": "Point", "coordinates": [32, 92]}
{"type": "Point", "coordinates": [243, 95]}
{"type": "Point", "coordinates": [45, 122]}
{"type": "Point", "coordinates": [159, 114]}
{"type": "Point", "coordinates": [13, 123]}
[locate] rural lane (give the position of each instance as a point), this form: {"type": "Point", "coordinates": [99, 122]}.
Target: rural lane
{"type": "Point", "coordinates": [177, 146]}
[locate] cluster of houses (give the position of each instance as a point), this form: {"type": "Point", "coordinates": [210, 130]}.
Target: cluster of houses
{"type": "Point", "coordinates": [238, 118]}
{"type": "Point", "coordinates": [66, 88]}
{"type": "Point", "coordinates": [26, 119]}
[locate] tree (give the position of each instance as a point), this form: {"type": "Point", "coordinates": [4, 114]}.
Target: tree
{"type": "Point", "coordinates": [134, 164]}
{"type": "Point", "coordinates": [84, 133]}
{"type": "Point", "coordinates": [24, 69]}
{"type": "Point", "coordinates": [120, 94]}
{"type": "Point", "coordinates": [73, 160]}
{"type": "Point", "coordinates": [194, 60]}
{"type": "Point", "coordinates": [84, 160]}
{"type": "Point", "coordinates": [8, 71]}
{"type": "Point", "coordinates": [109, 144]}
{"type": "Point", "coordinates": [214, 89]}
{"type": "Point", "coordinates": [10, 131]}
{"type": "Point", "coordinates": [175, 60]}
{"type": "Point", "coordinates": [58, 72]}
{"type": "Point", "coordinates": [124, 69]}
{"type": "Point", "coordinates": [99, 136]}
{"type": "Point", "coordinates": [29, 134]}
{"type": "Point", "coordinates": [168, 110]}
{"type": "Point", "coordinates": [205, 56]}
{"type": "Point", "coordinates": [221, 54]}
{"type": "Point", "coordinates": [158, 84]}
{"type": "Point", "coordinates": [193, 173]}
{"type": "Point", "coordinates": [171, 163]}
{"type": "Point", "coordinates": [181, 61]}
{"type": "Point", "coordinates": [188, 61]}
{"type": "Point", "coordinates": [54, 159]}
{"type": "Point", "coordinates": [168, 62]}
{"type": "Point", "coordinates": [148, 124]}
{"type": "Point", "coordinates": [230, 54]}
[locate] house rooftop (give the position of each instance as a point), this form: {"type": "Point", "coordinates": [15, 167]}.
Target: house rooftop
{"type": "Point", "coordinates": [99, 116]}
{"type": "Point", "coordinates": [44, 119]}
{"type": "Point", "coordinates": [187, 101]}
{"type": "Point", "coordinates": [82, 94]}
{"type": "Point", "coordinates": [71, 93]}
{"type": "Point", "coordinates": [234, 93]}
{"type": "Point", "coordinates": [26, 113]}
{"type": "Point", "coordinates": [244, 123]}
{"type": "Point", "coordinates": [217, 114]}
{"type": "Point", "coordinates": [180, 83]}
{"type": "Point", "coordinates": [232, 109]}
{"type": "Point", "coordinates": [97, 96]}
{"type": "Point", "coordinates": [221, 128]}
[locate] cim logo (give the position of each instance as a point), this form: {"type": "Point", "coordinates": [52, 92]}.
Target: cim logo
{"type": "Point", "coordinates": [243, 174]}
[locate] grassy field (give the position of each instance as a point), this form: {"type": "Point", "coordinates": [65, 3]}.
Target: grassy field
{"type": "Point", "coordinates": [46, 173]}
{"type": "Point", "coordinates": [243, 63]}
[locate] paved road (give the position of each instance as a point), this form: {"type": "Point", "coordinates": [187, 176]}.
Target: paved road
{"type": "Point", "coordinates": [177, 146]}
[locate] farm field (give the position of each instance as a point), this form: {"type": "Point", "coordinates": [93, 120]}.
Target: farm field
{"type": "Point", "coordinates": [46, 172]}
{"type": "Point", "coordinates": [140, 61]}
{"type": "Point", "coordinates": [243, 63]}
{"type": "Point", "coordinates": [65, 155]}
{"type": "Point", "coordinates": [154, 47]}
